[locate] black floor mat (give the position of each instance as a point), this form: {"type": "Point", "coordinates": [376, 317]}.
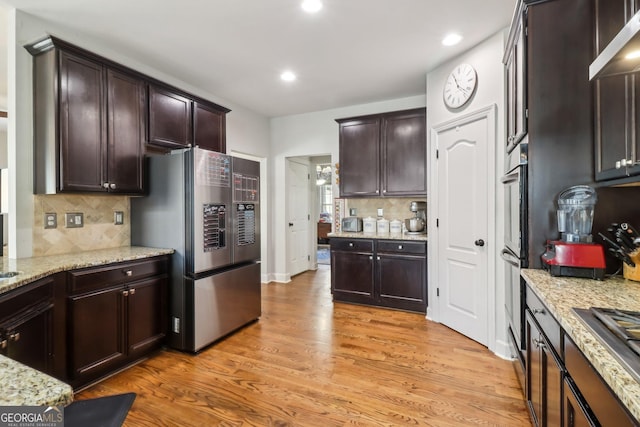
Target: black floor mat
{"type": "Point", "coordinates": [109, 411]}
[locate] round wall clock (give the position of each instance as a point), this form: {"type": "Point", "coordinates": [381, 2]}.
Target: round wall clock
{"type": "Point", "coordinates": [460, 86]}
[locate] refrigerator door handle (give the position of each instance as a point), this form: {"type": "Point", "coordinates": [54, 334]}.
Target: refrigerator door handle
{"type": "Point", "coordinates": [508, 256]}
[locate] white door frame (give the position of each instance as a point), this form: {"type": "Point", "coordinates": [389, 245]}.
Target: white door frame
{"type": "Point", "coordinates": [306, 162]}
{"type": "Point", "coordinates": [433, 257]}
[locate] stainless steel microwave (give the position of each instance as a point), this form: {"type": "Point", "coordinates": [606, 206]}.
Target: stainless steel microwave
{"type": "Point", "coordinates": [352, 224]}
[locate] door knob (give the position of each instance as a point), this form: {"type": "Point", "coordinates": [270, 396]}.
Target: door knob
{"type": "Point", "coordinates": [290, 224]}
{"type": "Point", "coordinates": [479, 242]}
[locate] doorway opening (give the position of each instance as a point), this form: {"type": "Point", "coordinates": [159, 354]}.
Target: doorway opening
{"type": "Point", "coordinates": [324, 196]}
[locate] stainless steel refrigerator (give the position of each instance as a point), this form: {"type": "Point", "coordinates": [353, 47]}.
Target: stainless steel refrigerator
{"type": "Point", "coordinates": [205, 205]}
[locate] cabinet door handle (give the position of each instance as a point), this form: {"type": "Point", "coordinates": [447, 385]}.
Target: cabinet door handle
{"type": "Point", "coordinates": [128, 272]}
{"type": "Point", "coordinates": [132, 292]}
{"type": "Point", "coordinates": [15, 336]}
{"type": "Point", "coordinates": [538, 311]}
{"type": "Point", "coordinates": [3, 344]}
{"type": "Point", "coordinates": [112, 186]}
{"type": "Point", "coordinates": [105, 184]}
{"type": "Point", "coordinates": [125, 293]}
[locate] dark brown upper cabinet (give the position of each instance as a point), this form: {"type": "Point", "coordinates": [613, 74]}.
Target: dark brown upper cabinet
{"type": "Point", "coordinates": [209, 128]}
{"type": "Point", "coordinates": [383, 155]}
{"type": "Point", "coordinates": [617, 103]}
{"type": "Point", "coordinates": [169, 118]}
{"type": "Point", "coordinates": [88, 124]}
{"type": "Point", "coordinates": [516, 78]}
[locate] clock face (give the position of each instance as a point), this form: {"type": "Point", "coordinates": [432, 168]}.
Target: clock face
{"type": "Point", "coordinates": [460, 86]}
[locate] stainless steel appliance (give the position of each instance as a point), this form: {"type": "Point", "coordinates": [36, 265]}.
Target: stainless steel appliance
{"type": "Point", "coordinates": [205, 205]}
{"type": "Point", "coordinates": [352, 224]}
{"type": "Point", "coordinates": [618, 331]}
{"type": "Point", "coordinates": [515, 250]}
{"type": "Point", "coordinates": [417, 224]}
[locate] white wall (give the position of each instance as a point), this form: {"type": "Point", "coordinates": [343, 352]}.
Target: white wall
{"type": "Point", "coordinates": [486, 58]}
{"type": "Point", "coordinates": [312, 134]}
{"type": "Point", "coordinates": [247, 131]}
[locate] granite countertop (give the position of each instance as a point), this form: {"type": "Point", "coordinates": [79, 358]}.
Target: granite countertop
{"type": "Point", "coordinates": [22, 386]}
{"type": "Point", "coordinates": [561, 294]}
{"type": "Point", "coordinates": [386, 236]}
{"type": "Point", "coordinates": [32, 269]}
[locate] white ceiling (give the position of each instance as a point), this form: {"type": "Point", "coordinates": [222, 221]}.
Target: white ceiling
{"type": "Point", "coordinates": [351, 52]}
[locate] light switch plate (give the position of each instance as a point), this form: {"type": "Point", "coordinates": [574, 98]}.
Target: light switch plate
{"type": "Point", "coordinates": [50, 220]}
{"type": "Point", "coordinates": [118, 217]}
{"type": "Point", "coordinates": [74, 219]}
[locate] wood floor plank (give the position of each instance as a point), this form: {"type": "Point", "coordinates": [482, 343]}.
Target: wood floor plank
{"type": "Point", "coordinates": [311, 362]}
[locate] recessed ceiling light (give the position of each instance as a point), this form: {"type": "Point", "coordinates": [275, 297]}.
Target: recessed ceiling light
{"type": "Point", "coordinates": [451, 39]}
{"type": "Point", "coordinates": [311, 6]}
{"type": "Point", "coordinates": [288, 76]}
{"type": "Point", "coordinates": [633, 55]}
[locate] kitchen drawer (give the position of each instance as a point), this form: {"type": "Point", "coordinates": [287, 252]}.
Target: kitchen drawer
{"type": "Point", "coordinates": [545, 319]}
{"type": "Point", "coordinates": [597, 394]}
{"type": "Point", "coordinates": [354, 245]}
{"type": "Point", "coordinates": [13, 302]}
{"type": "Point", "coordinates": [402, 247]}
{"type": "Point", "coordinates": [89, 279]}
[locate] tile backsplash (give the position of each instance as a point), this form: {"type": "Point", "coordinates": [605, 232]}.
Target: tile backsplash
{"type": "Point", "coordinates": [98, 232]}
{"type": "Point", "coordinates": [393, 208]}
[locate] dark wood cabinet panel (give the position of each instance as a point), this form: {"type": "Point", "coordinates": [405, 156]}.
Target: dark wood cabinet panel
{"type": "Point", "coordinates": [89, 125]}
{"type": "Point", "coordinates": [387, 273]}
{"type": "Point", "coordinates": [404, 154]}
{"type": "Point", "coordinates": [359, 152]}
{"type": "Point", "coordinates": [126, 133]}
{"type": "Point", "coordinates": [96, 347]}
{"type": "Point", "coordinates": [209, 128]}
{"type": "Point", "coordinates": [169, 118]}
{"type": "Point", "coordinates": [352, 276]}
{"type": "Point", "coordinates": [402, 281]}
{"type": "Point", "coordinates": [575, 413]}
{"type": "Point", "coordinates": [516, 79]}
{"type": "Point", "coordinates": [383, 154]}
{"type": "Point", "coordinates": [146, 316]}
{"type": "Point", "coordinates": [544, 377]}
{"type": "Point", "coordinates": [82, 128]}
{"type": "Point", "coordinates": [27, 330]}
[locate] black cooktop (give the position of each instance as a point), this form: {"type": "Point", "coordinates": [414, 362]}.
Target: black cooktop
{"type": "Point", "coordinates": [618, 331]}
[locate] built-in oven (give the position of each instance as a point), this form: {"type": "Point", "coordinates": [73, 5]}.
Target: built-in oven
{"type": "Point", "coordinates": [514, 251]}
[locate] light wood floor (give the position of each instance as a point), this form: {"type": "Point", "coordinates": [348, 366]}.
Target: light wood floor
{"type": "Point", "coordinates": [310, 362]}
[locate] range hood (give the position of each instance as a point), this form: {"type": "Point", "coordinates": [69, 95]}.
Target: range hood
{"type": "Point", "coordinates": [622, 55]}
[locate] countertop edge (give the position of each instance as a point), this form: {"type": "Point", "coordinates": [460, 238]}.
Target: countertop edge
{"type": "Point", "coordinates": [374, 236]}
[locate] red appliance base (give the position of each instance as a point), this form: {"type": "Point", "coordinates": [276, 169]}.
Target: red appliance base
{"type": "Point", "coordinates": [574, 259]}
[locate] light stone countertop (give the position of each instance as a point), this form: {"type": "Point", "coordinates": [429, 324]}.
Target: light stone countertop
{"type": "Point", "coordinates": [22, 385]}
{"type": "Point", "coordinates": [561, 294]}
{"type": "Point", "coordinates": [32, 269]}
{"type": "Point", "coordinates": [388, 236]}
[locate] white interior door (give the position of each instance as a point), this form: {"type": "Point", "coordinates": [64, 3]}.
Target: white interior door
{"type": "Point", "coordinates": [298, 214]}
{"type": "Point", "coordinates": [463, 225]}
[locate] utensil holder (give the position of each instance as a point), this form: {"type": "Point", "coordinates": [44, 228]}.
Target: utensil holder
{"type": "Point", "coordinates": [632, 273]}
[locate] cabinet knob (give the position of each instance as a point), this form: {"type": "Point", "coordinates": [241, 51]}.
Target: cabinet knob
{"type": "Point", "coordinates": [3, 344]}
{"type": "Point", "coordinates": [378, 258]}
{"type": "Point", "coordinates": [399, 246]}
{"type": "Point", "coordinates": [538, 311]}
{"type": "Point", "coordinates": [112, 186]}
{"type": "Point", "coordinates": [128, 272]}
{"type": "Point", "coordinates": [132, 292]}
{"type": "Point", "coordinates": [15, 336]}
{"type": "Point", "coordinates": [105, 184]}
{"type": "Point", "coordinates": [125, 293]}
{"type": "Point", "coordinates": [350, 244]}
{"type": "Point", "coordinates": [371, 257]}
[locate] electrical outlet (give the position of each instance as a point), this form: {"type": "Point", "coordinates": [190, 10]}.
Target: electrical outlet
{"type": "Point", "coordinates": [50, 220]}
{"type": "Point", "coordinates": [74, 219]}
{"type": "Point", "coordinates": [176, 325]}
{"type": "Point", "coordinates": [118, 217]}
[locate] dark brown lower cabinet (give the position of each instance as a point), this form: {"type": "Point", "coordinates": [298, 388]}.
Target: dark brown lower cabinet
{"type": "Point", "coordinates": [544, 377]}
{"type": "Point", "coordinates": [575, 414]}
{"type": "Point", "coordinates": [115, 315]}
{"type": "Point", "coordinates": [387, 273]}
{"type": "Point", "coordinates": [26, 325]}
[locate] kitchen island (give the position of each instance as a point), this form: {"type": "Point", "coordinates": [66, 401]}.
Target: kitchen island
{"type": "Point", "coordinates": [561, 294]}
